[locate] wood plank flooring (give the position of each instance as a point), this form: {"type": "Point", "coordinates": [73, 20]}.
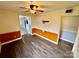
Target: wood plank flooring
{"type": "Point", "coordinates": [35, 47]}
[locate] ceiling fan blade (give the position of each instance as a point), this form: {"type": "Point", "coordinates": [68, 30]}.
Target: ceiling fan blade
{"type": "Point", "coordinates": [40, 10]}
{"type": "Point", "coordinates": [24, 8]}
{"type": "Point", "coordinates": [46, 6]}
{"type": "Point", "coordinates": [26, 11]}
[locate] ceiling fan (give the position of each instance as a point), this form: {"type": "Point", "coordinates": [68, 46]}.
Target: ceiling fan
{"type": "Point", "coordinates": [33, 9]}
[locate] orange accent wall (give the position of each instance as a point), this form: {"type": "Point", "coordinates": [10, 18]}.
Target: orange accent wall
{"type": "Point", "coordinates": [49, 35]}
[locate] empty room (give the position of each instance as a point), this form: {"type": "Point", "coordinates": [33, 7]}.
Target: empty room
{"type": "Point", "coordinates": [39, 29]}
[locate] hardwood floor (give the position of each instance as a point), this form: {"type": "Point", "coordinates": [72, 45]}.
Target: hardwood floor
{"type": "Point", "coordinates": [36, 47]}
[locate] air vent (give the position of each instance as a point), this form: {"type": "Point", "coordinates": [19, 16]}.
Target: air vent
{"type": "Point", "coordinates": [69, 11]}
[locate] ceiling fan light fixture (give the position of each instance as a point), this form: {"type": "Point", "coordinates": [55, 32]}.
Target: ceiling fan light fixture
{"type": "Point", "coordinates": [33, 7]}
{"type": "Point", "coordinates": [32, 11]}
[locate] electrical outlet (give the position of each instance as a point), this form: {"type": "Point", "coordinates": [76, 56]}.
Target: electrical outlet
{"type": "Point", "coordinates": [14, 36]}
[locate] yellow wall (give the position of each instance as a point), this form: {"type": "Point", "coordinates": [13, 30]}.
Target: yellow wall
{"type": "Point", "coordinates": [9, 21]}
{"type": "Point", "coordinates": [33, 18]}
{"type": "Point", "coordinates": [61, 12]}
{"type": "Point", "coordinates": [70, 23]}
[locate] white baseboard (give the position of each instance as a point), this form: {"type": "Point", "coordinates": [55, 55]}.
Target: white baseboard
{"type": "Point", "coordinates": [46, 38]}
{"type": "Point", "coordinates": [11, 41]}
{"type": "Point", "coordinates": [67, 40]}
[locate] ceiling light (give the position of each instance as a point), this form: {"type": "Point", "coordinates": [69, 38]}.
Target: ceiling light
{"type": "Point", "coordinates": [32, 11]}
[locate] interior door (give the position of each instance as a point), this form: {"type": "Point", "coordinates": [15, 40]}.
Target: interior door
{"type": "Point", "coordinates": [28, 25]}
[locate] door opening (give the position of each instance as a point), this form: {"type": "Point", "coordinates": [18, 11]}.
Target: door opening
{"type": "Point", "coordinates": [25, 25]}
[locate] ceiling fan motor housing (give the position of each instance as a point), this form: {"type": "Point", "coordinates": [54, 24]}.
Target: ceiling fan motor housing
{"type": "Point", "coordinates": [32, 6]}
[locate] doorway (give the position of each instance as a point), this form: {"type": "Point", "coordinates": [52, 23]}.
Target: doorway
{"type": "Point", "coordinates": [25, 25]}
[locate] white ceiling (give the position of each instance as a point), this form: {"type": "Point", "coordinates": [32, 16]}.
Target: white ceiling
{"type": "Point", "coordinates": [47, 5]}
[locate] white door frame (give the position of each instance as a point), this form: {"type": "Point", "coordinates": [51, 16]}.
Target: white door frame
{"type": "Point", "coordinates": [30, 22]}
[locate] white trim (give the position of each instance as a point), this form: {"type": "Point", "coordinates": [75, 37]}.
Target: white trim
{"type": "Point", "coordinates": [76, 42]}
{"type": "Point", "coordinates": [69, 31]}
{"type": "Point", "coordinates": [11, 41]}
{"type": "Point", "coordinates": [0, 47]}
{"type": "Point", "coordinates": [32, 34]}
{"type": "Point", "coordinates": [67, 40]}
{"type": "Point", "coordinates": [58, 39]}
{"type": "Point", "coordinates": [45, 30]}
{"type": "Point", "coordinates": [46, 38]}
{"type": "Point", "coordinates": [22, 33]}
